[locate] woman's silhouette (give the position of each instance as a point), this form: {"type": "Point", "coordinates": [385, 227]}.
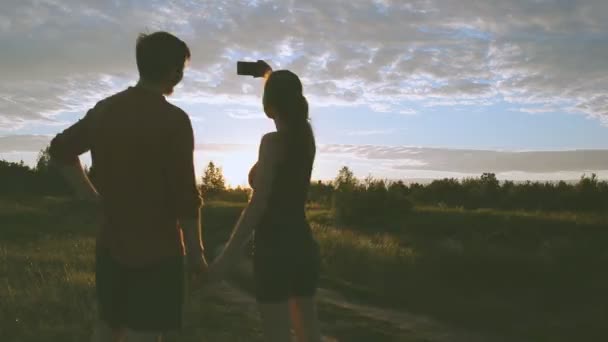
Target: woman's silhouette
{"type": "Point", "coordinates": [286, 257]}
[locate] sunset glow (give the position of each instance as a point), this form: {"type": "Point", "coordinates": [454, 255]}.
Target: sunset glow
{"type": "Point", "coordinates": [381, 77]}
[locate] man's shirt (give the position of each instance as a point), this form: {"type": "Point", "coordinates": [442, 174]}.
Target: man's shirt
{"type": "Point", "coordinates": [142, 152]}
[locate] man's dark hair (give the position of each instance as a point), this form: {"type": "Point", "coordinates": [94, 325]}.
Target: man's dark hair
{"type": "Point", "coordinates": [158, 54]}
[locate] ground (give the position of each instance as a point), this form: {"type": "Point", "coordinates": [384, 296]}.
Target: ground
{"type": "Point", "coordinates": [444, 275]}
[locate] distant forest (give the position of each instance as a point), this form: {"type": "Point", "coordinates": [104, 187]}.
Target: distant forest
{"type": "Point", "coordinates": [349, 195]}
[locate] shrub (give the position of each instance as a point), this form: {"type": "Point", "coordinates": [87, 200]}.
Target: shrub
{"type": "Point", "coordinates": [370, 202]}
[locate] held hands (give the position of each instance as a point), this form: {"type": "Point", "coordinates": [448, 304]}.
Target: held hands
{"type": "Point", "coordinates": [87, 202]}
{"type": "Point", "coordinates": [89, 197]}
{"type": "Point", "coordinates": [202, 274]}
{"type": "Point", "coordinates": [197, 273]}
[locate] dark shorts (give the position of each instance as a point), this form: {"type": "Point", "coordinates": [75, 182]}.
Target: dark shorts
{"type": "Point", "coordinates": [142, 299]}
{"type": "Point", "coordinates": [284, 272]}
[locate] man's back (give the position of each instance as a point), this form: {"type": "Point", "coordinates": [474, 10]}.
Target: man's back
{"type": "Point", "coordinates": [141, 147]}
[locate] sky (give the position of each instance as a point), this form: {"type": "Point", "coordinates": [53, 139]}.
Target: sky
{"type": "Point", "coordinates": [397, 89]}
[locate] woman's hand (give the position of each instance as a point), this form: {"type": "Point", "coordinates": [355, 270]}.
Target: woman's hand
{"type": "Point", "coordinates": [264, 66]}
{"type": "Point", "coordinates": [198, 273]}
{"type": "Point", "coordinates": [220, 265]}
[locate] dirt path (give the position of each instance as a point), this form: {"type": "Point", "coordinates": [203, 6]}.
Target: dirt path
{"type": "Point", "coordinates": [346, 321]}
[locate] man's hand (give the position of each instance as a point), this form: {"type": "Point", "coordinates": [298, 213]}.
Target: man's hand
{"type": "Point", "coordinates": [196, 263]}
{"type": "Point", "coordinates": [78, 180]}
{"type": "Point", "coordinates": [197, 274]}
{"type": "Point", "coordinates": [89, 198]}
{"type": "Point", "coordinates": [91, 205]}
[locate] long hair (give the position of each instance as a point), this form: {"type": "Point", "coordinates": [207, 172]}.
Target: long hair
{"type": "Point", "coordinates": [283, 92]}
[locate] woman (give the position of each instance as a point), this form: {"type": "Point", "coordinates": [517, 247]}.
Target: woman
{"type": "Point", "coordinates": [286, 257]}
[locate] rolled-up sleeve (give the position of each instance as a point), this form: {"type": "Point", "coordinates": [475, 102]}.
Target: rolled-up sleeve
{"type": "Point", "coordinates": [72, 142]}
{"type": "Point", "coordinates": [182, 179]}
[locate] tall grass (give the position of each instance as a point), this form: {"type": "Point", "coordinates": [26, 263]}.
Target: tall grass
{"type": "Point", "coordinates": [527, 276]}
{"type": "Point", "coordinates": [47, 278]}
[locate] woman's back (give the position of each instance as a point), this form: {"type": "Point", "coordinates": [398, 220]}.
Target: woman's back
{"type": "Point", "coordinates": [284, 219]}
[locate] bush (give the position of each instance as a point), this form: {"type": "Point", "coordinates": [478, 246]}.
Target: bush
{"type": "Point", "coordinates": [588, 194]}
{"type": "Point", "coordinates": [238, 194]}
{"type": "Point", "coordinates": [320, 193]}
{"type": "Point", "coordinates": [18, 178]}
{"type": "Point", "coordinates": [370, 202]}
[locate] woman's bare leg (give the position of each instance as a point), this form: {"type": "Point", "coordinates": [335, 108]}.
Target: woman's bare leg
{"type": "Point", "coordinates": [103, 333]}
{"type": "Point", "coordinates": [303, 312]}
{"type": "Point", "coordinates": [275, 321]}
{"type": "Point", "coordinates": [137, 336]}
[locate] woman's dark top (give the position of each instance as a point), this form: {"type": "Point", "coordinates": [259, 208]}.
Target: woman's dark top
{"type": "Point", "coordinates": [286, 256]}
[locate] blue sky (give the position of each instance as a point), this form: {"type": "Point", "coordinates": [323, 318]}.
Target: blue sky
{"type": "Point", "coordinates": [398, 89]}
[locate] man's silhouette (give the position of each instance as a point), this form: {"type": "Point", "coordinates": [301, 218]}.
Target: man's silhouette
{"type": "Point", "coordinates": [142, 150]}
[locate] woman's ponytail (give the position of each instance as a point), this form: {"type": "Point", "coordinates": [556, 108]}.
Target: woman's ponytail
{"type": "Point", "coordinates": [283, 91]}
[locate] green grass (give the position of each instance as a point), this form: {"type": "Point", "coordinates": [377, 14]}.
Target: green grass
{"type": "Point", "coordinates": [518, 275]}
{"type": "Point", "coordinates": [523, 276]}
{"type": "Point", "coordinates": [47, 279]}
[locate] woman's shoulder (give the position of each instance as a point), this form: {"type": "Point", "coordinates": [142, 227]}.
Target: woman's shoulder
{"type": "Point", "coordinates": [271, 137]}
{"type": "Point", "coordinates": [271, 142]}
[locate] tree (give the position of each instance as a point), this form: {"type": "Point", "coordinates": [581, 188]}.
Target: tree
{"type": "Point", "coordinates": [398, 187]}
{"type": "Point", "coordinates": [368, 202]}
{"type": "Point", "coordinates": [345, 180]}
{"type": "Point", "coordinates": [213, 180]}
{"type": "Point", "coordinates": [50, 181]}
{"type": "Point", "coordinates": [320, 192]}
{"type": "Point", "coordinates": [44, 161]}
{"type": "Point", "coordinates": [16, 178]}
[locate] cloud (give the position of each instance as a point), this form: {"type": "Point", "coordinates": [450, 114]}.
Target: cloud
{"type": "Point", "coordinates": [395, 162]}
{"type": "Point", "coordinates": [39, 101]}
{"type": "Point", "coordinates": [475, 161]}
{"type": "Point", "coordinates": [245, 114]}
{"type": "Point", "coordinates": [408, 111]}
{"type": "Point", "coordinates": [381, 54]}
{"type": "Point", "coordinates": [223, 147]}
{"type": "Point", "coordinates": [34, 143]}
{"type": "Point", "coordinates": [23, 143]}
{"type": "Point", "coordinates": [371, 132]}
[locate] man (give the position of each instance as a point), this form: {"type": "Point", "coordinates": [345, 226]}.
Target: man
{"type": "Point", "coordinates": [142, 149]}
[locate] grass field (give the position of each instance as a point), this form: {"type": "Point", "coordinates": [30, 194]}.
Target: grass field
{"type": "Point", "coordinates": [505, 276]}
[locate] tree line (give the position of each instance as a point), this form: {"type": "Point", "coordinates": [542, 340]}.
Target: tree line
{"type": "Point", "coordinates": [587, 194]}
{"type": "Point", "coordinates": [20, 179]}
{"type": "Point", "coordinates": [43, 179]}
{"type": "Point", "coordinates": [349, 196]}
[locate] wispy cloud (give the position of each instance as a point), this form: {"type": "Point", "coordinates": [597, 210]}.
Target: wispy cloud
{"type": "Point", "coordinates": [23, 143]}
{"type": "Point", "coordinates": [407, 111]}
{"type": "Point", "coordinates": [539, 54]}
{"type": "Point", "coordinates": [371, 132]}
{"type": "Point", "coordinates": [381, 161]}
{"type": "Point", "coordinates": [476, 161]}
{"type": "Point", "coordinates": [223, 147]}
{"type": "Point", "coordinates": [245, 114]}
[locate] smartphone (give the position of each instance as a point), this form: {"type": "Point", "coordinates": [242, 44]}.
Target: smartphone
{"type": "Point", "coordinates": [255, 69]}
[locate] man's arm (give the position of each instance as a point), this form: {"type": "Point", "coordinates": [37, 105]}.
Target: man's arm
{"type": "Point", "coordinates": [78, 181]}
{"type": "Point", "coordinates": [64, 151]}
{"type": "Point", "coordinates": [191, 228]}
{"type": "Point", "coordinates": [185, 195]}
